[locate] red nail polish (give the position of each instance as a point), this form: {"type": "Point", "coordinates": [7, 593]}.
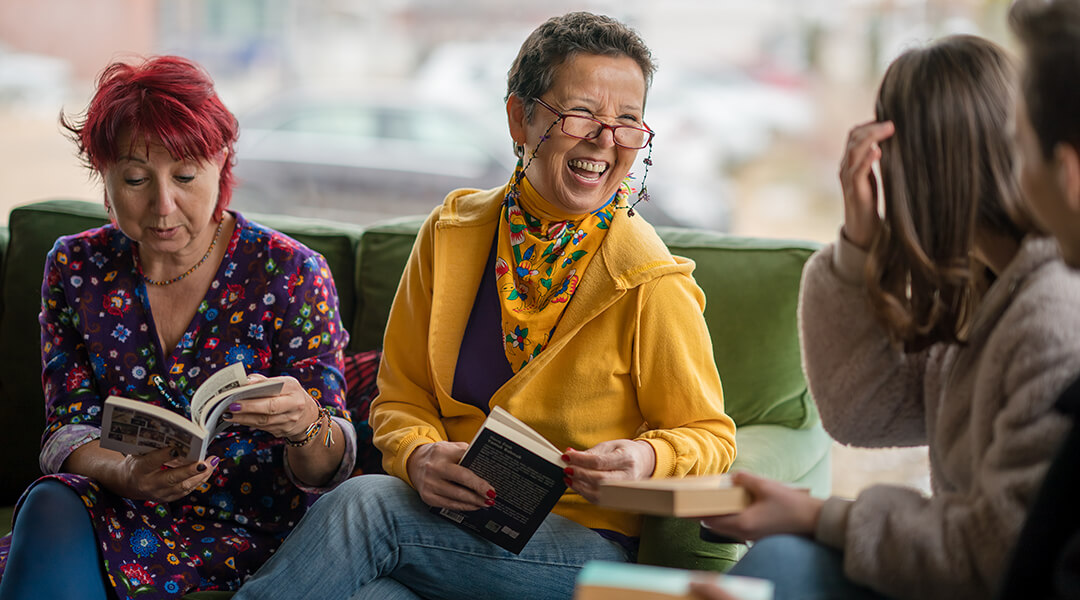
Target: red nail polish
{"type": "Point", "coordinates": [489, 502]}
{"type": "Point", "coordinates": [491, 493]}
{"type": "Point", "coordinates": [569, 470]}
{"type": "Point", "coordinates": [566, 480]}
{"type": "Point", "coordinates": [565, 458]}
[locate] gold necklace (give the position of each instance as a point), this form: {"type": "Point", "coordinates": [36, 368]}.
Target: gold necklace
{"type": "Point", "coordinates": [209, 251]}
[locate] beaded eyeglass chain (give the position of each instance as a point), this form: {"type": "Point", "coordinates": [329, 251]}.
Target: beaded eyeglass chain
{"type": "Point", "coordinates": [209, 251]}
{"type": "Point", "coordinates": [643, 194]}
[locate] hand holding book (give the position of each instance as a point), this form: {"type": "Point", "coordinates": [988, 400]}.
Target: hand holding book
{"type": "Point", "coordinates": [285, 414]}
{"type": "Point", "coordinates": [161, 475]}
{"type": "Point", "coordinates": [436, 475]}
{"type": "Point", "coordinates": [774, 508]}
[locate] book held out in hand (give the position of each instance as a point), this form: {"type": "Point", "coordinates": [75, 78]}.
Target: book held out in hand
{"type": "Point", "coordinates": [691, 496]}
{"type": "Point", "coordinates": [137, 427]}
{"type": "Point", "coordinates": [602, 580]}
{"type": "Point", "coordinates": [526, 471]}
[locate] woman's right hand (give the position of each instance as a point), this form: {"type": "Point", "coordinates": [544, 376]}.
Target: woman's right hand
{"type": "Point", "coordinates": [861, 218]}
{"type": "Point", "coordinates": [443, 483]}
{"type": "Point", "coordinates": [159, 477]}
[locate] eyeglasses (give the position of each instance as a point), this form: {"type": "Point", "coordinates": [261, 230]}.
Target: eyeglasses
{"type": "Point", "coordinates": [588, 128]}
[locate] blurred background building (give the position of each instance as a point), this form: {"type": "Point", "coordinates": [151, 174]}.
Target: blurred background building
{"type": "Point", "coordinates": [358, 110]}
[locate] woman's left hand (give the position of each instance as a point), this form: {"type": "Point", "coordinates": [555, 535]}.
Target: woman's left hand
{"type": "Point", "coordinates": [774, 508]}
{"type": "Point", "coordinates": [286, 415]}
{"type": "Point", "coordinates": [611, 460]}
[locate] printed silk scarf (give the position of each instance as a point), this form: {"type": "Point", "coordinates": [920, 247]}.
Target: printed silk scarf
{"type": "Point", "coordinates": [540, 258]}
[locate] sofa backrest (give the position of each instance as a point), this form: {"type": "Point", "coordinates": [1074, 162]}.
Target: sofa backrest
{"type": "Point", "coordinates": [751, 286]}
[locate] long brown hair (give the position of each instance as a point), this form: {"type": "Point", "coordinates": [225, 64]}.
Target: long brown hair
{"type": "Point", "coordinates": [946, 173]}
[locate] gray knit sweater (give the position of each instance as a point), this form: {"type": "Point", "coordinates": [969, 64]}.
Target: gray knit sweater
{"type": "Point", "coordinates": [984, 409]}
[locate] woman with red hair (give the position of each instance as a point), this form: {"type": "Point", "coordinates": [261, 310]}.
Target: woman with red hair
{"type": "Point", "coordinates": [148, 307]}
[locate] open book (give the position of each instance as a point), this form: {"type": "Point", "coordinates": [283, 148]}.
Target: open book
{"type": "Point", "coordinates": [600, 580]}
{"type": "Point", "coordinates": [526, 471]}
{"type": "Point", "coordinates": [136, 427]}
{"type": "Point", "coordinates": [693, 496]}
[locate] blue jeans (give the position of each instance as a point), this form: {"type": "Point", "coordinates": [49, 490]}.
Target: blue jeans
{"type": "Point", "coordinates": [375, 527]}
{"type": "Point", "coordinates": [801, 569]}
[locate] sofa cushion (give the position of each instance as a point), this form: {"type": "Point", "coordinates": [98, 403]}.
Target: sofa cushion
{"type": "Point", "coordinates": [33, 229]}
{"type": "Point", "coordinates": [752, 291]}
{"type": "Point", "coordinates": [381, 259]}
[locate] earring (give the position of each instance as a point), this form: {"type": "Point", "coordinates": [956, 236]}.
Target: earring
{"type": "Point", "coordinates": [644, 193]}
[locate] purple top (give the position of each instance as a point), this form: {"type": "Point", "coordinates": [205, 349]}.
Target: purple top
{"type": "Point", "coordinates": [482, 367]}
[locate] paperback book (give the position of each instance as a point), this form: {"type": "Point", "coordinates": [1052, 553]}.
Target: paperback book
{"type": "Point", "coordinates": [526, 471]}
{"type": "Point", "coordinates": [601, 580]}
{"type": "Point", "coordinates": [136, 427]}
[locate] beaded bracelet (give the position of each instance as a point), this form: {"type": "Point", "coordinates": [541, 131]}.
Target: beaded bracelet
{"type": "Point", "coordinates": [313, 430]}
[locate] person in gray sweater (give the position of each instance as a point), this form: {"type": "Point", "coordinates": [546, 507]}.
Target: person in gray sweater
{"type": "Point", "coordinates": [942, 322]}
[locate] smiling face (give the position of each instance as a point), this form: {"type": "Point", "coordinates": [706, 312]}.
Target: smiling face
{"type": "Point", "coordinates": [574, 175]}
{"type": "Point", "coordinates": [164, 204]}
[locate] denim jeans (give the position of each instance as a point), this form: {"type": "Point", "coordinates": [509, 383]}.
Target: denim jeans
{"type": "Point", "coordinates": [801, 569]}
{"type": "Point", "coordinates": [375, 527]}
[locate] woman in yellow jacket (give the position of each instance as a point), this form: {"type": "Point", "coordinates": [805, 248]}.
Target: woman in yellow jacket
{"type": "Point", "coordinates": [547, 297]}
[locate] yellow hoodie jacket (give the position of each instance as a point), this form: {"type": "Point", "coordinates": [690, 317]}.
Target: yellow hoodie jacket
{"type": "Point", "coordinates": [631, 357]}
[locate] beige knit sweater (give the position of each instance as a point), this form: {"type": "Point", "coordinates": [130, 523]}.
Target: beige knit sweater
{"type": "Point", "coordinates": [984, 409]}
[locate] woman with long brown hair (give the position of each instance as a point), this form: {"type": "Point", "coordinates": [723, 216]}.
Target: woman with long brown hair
{"type": "Point", "coordinates": [943, 322]}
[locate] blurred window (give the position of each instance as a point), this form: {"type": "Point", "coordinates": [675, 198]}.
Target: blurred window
{"type": "Point", "coordinates": [340, 121]}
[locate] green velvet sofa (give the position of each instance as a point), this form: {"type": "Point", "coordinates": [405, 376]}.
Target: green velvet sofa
{"type": "Point", "coordinates": [751, 286]}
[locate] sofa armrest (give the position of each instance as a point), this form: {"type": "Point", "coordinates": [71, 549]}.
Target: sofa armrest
{"type": "Point", "coordinates": [797, 456]}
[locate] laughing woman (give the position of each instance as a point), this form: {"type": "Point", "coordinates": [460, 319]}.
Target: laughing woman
{"type": "Point", "coordinates": [547, 297]}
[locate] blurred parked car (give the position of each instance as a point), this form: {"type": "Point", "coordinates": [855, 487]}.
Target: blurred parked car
{"type": "Point", "coordinates": [362, 159]}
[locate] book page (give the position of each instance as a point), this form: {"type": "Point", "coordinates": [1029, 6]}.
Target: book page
{"type": "Point", "coordinates": [218, 405]}
{"type": "Point", "coordinates": [690, 496]}
{"type": "Point", "coordinates": [507, 425]}
{"type": "Point", "coordinates": [135, 427]}
{"type": "Point", "coordinates": [230, 377]}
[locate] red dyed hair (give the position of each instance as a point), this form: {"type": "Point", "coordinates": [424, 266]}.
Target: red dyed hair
{"type": "Point", "coordinates": [166, 98]}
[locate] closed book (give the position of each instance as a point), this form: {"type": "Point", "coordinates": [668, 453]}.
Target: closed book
{"type": "Point", "coordinates": [691, 496]}
{"type": "Point", "coordinates": [602, 580]}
